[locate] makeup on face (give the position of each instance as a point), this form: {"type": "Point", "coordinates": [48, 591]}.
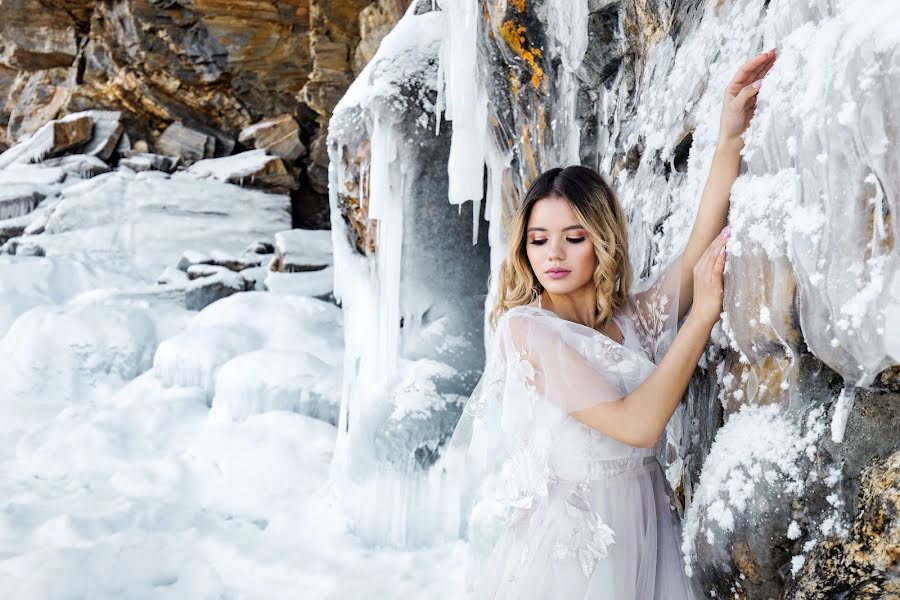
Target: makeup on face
{"type": "Point", "coordinates": [558, 248]}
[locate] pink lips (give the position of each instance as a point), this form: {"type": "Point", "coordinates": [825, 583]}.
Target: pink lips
{"type": "Point", "coordinates": [557, 273]}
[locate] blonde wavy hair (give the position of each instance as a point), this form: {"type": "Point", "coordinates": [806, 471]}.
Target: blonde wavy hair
{"type": "Point", "coordinates": [599, 212]}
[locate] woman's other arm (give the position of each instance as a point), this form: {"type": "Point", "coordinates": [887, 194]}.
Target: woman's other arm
{"type": "Point", "coordinates": [737, 110]}
{"type": "Point", "coordinates": [639, 418]}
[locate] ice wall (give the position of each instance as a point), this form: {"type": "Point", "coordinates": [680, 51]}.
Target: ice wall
{"type": "Point", "coordinates": [411, 283]}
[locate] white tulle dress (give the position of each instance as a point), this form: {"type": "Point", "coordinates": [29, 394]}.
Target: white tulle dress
{"type": "Point", "coordinates": [551, 508]}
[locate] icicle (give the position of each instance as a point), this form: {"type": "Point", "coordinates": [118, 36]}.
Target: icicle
{"type": "Point", "coordinates": [842, 408]}
{"type": "Point", "coordinates": [465, 100]}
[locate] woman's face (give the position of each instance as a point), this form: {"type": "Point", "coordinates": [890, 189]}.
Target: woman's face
{"type": "Point", "coordinates": [555, 239]}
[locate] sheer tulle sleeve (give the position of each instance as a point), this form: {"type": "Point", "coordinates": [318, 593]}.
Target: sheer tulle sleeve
{"type": "Point", "coordinates": [652, 307]}
{"type": "Point", "coordinates": [539, 369]}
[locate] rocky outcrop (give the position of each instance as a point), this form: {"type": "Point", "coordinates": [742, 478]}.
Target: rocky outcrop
{"type": "Point", "coordinates": [865, 563]}
{"type": "Point", "coordinates": [189, 76]}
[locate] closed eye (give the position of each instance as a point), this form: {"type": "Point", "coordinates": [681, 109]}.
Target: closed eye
{"type": "Point", "coordinates": [573, 240]}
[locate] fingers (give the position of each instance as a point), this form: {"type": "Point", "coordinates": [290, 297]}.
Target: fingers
{"type": "Point", "coordinates": [754, 69]}
{"type": "Point", "coordinates": [747, 71]}
{"type": "Point", "coordinates": [746, 93]}
{"type": "Point", "coordinates": [719, 267]}
{"type": "Point", "coordinates": [761, 71]}
{"type": "Point", "coordinates": [706, 263]}
{"type": "Point", "coordinates": [768, 67]}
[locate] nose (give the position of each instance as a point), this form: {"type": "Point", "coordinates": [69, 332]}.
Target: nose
{"type": "Point", "coordinates": [555, 252]}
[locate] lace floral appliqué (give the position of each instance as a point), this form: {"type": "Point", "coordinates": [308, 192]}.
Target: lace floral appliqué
{"type": "Point", "coordinates": [590, 539]}
{"type": "Point", "coordinates": [651, 316]}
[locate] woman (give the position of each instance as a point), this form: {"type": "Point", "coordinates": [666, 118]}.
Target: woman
{"type": "Point", "coordinates": [563, 429]}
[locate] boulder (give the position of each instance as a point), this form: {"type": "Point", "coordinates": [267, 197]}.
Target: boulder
{"type": "Point", "coordinates": [53, 139]}
{"type": "Point", "coordinates": [192, 257]}
{"type": "Point", "coordinates": [254, 169]}
{"type": "Point", "coordinates": [18, 200]}
{"type": "Point", "coordinates": [21, 247]}
{"type": "Point", "coordinates": [318, 284]}
{"type": "Point", "coordinates": [11, 228]}
{"type": "Point", "coordinates": [279, 137]}
{"type": "Point", "coordinates": [146, 161]}
{"type": "Point", "coordinates": [234, 263]}
{"type": "Point", "coordinates": [82, 165]}
{"type": "Point", "coordinates": [204, 270]}
{"type": "Point", "coordinates": [189, 145]}
{"type": "Point", "coordinates": [37, 97]}
{"type": "Point", "coordinates": [260, 247]}
{"type": "Point", "coordinates": [204, 291]}
{"type": "Point", "coordinates": [108, 129]}
{"type": "Point", "coordinates": [299, 250]}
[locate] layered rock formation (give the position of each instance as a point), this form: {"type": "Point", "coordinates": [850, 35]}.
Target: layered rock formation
{"type": "Point", "coordinates": [189, 76]}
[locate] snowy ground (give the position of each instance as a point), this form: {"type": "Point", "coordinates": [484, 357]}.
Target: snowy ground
{"type": "Point", "coordinates": [147, 451]}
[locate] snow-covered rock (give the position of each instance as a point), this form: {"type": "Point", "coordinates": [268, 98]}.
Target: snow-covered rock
{"type": "Point", "coordinates": [212, 286]}
{"type": "Point", "coordinates": [259, 321]}
{"type": "Point", "coordinates": [266, 380]}
{"type": "Point", "coordinates": [82, 165]}
{"type": "Point", "coordinates": [319, 284]}
{"type": "Point", "coordinates": [136, 224]}
{"type": "Point", "coordinates": [299, 250]}
{"type": "Point", "coordinates": [146, 161]}
{"type": "Point", "coordinates": [254, 168]}
{"type": "Point", "coordinates": [54, 138]}
{"type": "Point", "coordinates": [279, 136]}
{"type": "Point", "coordinates": [187, 144]}
{"type": "Point", "coordinates": [18, 200]}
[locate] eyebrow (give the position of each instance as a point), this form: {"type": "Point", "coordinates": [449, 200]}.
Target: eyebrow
{"type": "Point", "coordinates": [564, 228]}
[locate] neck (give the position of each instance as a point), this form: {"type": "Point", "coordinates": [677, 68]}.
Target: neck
{"type": "Point", "coordinates": [578, 306]}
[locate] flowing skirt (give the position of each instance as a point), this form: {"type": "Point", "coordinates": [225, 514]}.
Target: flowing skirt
{"type": "Point", "coordinates": [562, 548]}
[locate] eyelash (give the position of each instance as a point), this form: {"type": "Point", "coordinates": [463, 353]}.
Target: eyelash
{"type": "Point", "coordinates": [573, 240]}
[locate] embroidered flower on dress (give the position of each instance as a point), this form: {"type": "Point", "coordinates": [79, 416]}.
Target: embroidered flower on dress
{"type": "Point", "coordinates": [650, 318]}
{"type": "Point", "coordinates": [591, 539]}
{"type": "Point", "coordinates": [525, 475]}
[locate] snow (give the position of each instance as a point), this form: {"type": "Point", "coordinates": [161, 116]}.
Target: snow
{"type": "Point", "coordinates": [310, 248]}
{"type": "Point", "coordinates": [131, 226]}
{"type": "Point", "coordinates": [151, 451]}
{"type": "Point", "coordinates": [306, 283]}
{"type": "Point", "coordinates": [797, 563]}
{"type": "Point", "coordinates": [233, 167]}
{"type": "Point", "coordinates": [753, 440]}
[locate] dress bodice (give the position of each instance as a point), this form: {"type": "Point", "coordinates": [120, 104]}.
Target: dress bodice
{"type": "Point", "coordinates": [580, 452]}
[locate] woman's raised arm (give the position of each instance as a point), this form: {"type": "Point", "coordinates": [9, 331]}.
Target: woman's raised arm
{"type": "Point", "coordinates": [640, 417]}
{"type": "Point", "coordinates": [737, 110]}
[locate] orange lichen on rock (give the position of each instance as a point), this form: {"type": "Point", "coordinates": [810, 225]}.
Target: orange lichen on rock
{"type": "Point", "coordinates": [515, 39]}
{"type": "Point", "coordinates": [519, 4]}
{"type": "Point", "coordinates": [513, 83]}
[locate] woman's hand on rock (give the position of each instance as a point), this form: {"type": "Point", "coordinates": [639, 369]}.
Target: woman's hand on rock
{"type": "Point", "coordinates": [708, 280]}
{"type": "Point", "coordinates": [740, 97]}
